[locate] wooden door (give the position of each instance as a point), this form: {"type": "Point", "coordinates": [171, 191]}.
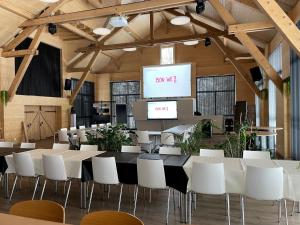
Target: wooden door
{"type": "Point", "coordinates": [32, 122]}
{"type": "Point", "coordinates": [48, 121]}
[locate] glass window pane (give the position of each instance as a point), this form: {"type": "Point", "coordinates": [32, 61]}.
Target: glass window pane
{"type": "Point", "coordinates": [167, 55]}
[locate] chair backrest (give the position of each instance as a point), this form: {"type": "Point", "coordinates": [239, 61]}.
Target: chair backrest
{"type": "Point", "coordinates": [105, 170]}
{"type": "Point", "coordinates": [186, 136]}
{"type": "Point", "coordinates": [151, 173]}
{"type": "Point", "coordinates": [73, 128]}
{"type": "Point", "coordinates": [54, 167]}
{"type": "Point", "coordinates": [264, 183]}
{"type": "Point", "coordinates": [63, 136]}
{"type": "Point", "coordinates": [108, 125]}
{"type": "Point", "coordinates": [39, 209]}
{"type": "Point", "coordinates": [132, 149]}
{"type": "Point", "coordinates": [169, 150]}
{"type": "Point", "coordinates": [81, 135]}
{"type": "Point", "coordinates": [94, 126]}
{"type": "Point", "coordinates": [64, 129]}
{"type": "Point", "coordinates": [10, 165]}
{"type": "Point", "coordinates": [58, 146]}
{"type": "Point", "coordinates": [212, 153]}
{"type": "Point", "coordinates": [256, 154]}
{"type": "Point", "coordinates": [27, 145]}
{"type": "Point", "coordinates": [88, 147]}
{"type": "Point", "coordinates": [167, 139]}
{"type": "Point", "coordinates": [142, 137]}
{"type": "Point", "coordinates": [102, 125]}
{"type": "Point", "coordinates": [110, 218]}
{"type": "Point", "coordinates": [82, 127]}
{"type": "Point", "coordinates": [6, 144]}
{"type": "Point", "coordinates": [23, 164]}
{"type": "Point", "coordinates": [208, 178]}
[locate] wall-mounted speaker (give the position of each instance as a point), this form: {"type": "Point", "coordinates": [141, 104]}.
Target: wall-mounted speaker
{"type": "Point", "coordinates": [256, 74]}
{"type": "Point", "coordinates": [67, 84]}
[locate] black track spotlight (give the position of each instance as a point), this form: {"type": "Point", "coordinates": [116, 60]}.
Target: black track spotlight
{"type": "Point", "coordinates": [200, 7]}
{"type": "Point", "coordinates": [207, 42]}
{"type": "Point", "coordinates": [52, 29]}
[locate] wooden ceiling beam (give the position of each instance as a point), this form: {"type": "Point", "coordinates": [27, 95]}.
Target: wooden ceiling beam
{"type": "Point", "coordinates": [7, 5]}
{"type": "Point", "coordinates": [132, 33]}
{"type": "Point", "coordinates": [79, 32]}
{"type": "Point", "coordinates": [249, 44]}
{"type": "Point", "coordinates": [19, 53]}
{"type": "Point", "coordinates": [128, 9]}
{"type": "Point", "coordinates": [249, 3]}
{"type": "Point", "coordinates": [284, 24]}
{"type": "Point", "coordinates": [251, 27]}
{"type": "Point", "coordinates": [78, 60]}
{"type": "Point", "coordinates": [151, 26]}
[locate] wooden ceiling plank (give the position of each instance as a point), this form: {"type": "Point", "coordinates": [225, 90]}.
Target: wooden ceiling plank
{"type": "Point", "coordinates": [249, 3]}
{"type": "Point", "coordinates": [132, 33]}
{"type": "Point", "coordinates": [83, 77]}
{"type": "Point", "coordinates": [251, 27]}
{"type": "Point", "coordinates": [19, 53]}
{"type": "Point", "coordinates": [284, 24]}
{"type": "Point", "coordinates": [25, 63]}
{"type": "Point", "coordinates": [79, 32]}
{"type": "Point", "coordinates": [116, 63]}
{"type": "Point", "coordinates": [4, 4]}
{"type": "Point", "coordinates": [78, 60]}
{"type": "Point", "coordinates": [249, 44]}
{"type": "Point", "coordinates": [151, 26]}
{"type": "Point", "coordinates": [128, 9]}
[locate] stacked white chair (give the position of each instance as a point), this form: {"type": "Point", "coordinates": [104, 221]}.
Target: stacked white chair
{"type": "Point", "coordinates": [24, 167]}
{"type": "Point", "coordinates": [88, 147]}
{"type": "Point", "coordinates": [256, 155]}
{"type": "Point", "coordinates": [102, 125]}
{"type": "Point", "coordinates": [167, 139]}
{"type": "Point", "coordinates": [6, 144]}
{"type": "Point", "coordinates": [264, 184]}
{"type": "Point", "coordinates": [208, 178]}
{"type": "Point", "coordinates": [82, 127]}
{"type": "Point", "coordinates": [27, 145]}
{"type": "Point", "coordinates": [63, 136]}
{"type": "Point", "coordinates": [169, 150]}
{"type": "Point", "coordinates": [105, 172]}
{"type": "Point", "coordinates": [55, 170]}
{"type": "Point", "coordinates": [143, 139]}
{"type": "Point", "coordinates": [82, 136]}
{"type": "Point", "coordinates": [73, 132]}
{"type": "Point", "coordinates": [108, 125]}
{"type": "Point", "coordinates": [186, 136]}
{"type": "Point", "coordinates": [94, 126]}
{"type": "Point", "coordinates": [212, 153]}
{"type": "Point", "coordinates": [64, 129]}
{"type": "Point", "coordinates": [151, 174]}
{"type": "Point", "coordinates": [58, 146]}
{"type": "Point", "coordinates": [131, 149]}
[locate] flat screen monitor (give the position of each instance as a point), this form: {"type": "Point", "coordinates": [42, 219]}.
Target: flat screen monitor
{"type": "Point", "coordinates": [162, 110]}
{"type": "Point", "coordinates": [167, 81]}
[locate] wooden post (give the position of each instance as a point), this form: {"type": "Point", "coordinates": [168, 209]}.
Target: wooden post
{"type": "Point", "coordinates": [286, 119]}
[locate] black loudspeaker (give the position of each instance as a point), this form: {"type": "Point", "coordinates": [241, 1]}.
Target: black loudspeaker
{"type": "Point", "coordinates": [67, 85]}
{"type": "Point", "coordinates": [256, 74]}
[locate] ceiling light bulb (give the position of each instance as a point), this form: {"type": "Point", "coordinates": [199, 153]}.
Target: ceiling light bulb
{"type": "Point", "coordinates": [101, 31]}
{"type": "Point", "coordinates": [49, 1]}
{"type": "Point", "coordinates": [180, 20]}
{"type": "Point", "coordinates": [129, 49]}
{"type": "Point", "coordinates": [193, 42]}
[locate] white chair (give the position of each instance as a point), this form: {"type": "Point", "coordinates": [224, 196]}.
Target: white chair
{"type": "Point", "coordinates": [212, 153]}
{"type": "Point", "coordinates": [131, 149]}
{"type": "Point", "coordinates": [27, 145]}
{"type": "Point", "coordinates": [108, 125]}
{"type": "Point", "coordinates": [24, 168]}
{"type": "Point", "coordinates": [208, 178]}
{"type": "Point", "coordinates": [151, 174]}
{"type": "Point", "coordinates": [58, 146]}
{"type": "Point", "coordinates": [82, 127]}
{"type": "Point", "coordinates": [94, 126]}
{"type": "Point", "coordinates": [102, 125]}
{"type": "Point", "coordinates": [167, 139]}
{"type": "Point", "coordinates": [6, 144]}
{"type": "Point", "coordinates": [81, 136]}
{"type": "Point", "coordinates": [73, 132]}
{"type": "Point", "coordinates": [256, 154]}
{"type": "Point", "coordinates": [169, 150]}
{"type": "Point", "coordinates": [105, 172]}
{"type": "Point", "coordinates": [186, 136]}
{"type": "Point", "coordinates": [88, 147]}
{"type": "Point", "coordinates": [143, 139]}
{"type": "Point", "coordinates": [64, 129]}
{"type": "Point", "coordinates": [73, 128]}
{"type": "Point", "coordinates": [63, 136]}
{"type": "Point", "coordinates": [264, 184]}
{"type": "Point", "coordinates": [54, 169]}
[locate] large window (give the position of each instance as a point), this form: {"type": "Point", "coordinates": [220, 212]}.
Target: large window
{"type": "Point", "coordinates": [124, 94]}
{"type": "Point", "coordinates": [216, 95]}
{"type": "Point", "coordinates": [167, 55]}
{"type": "Point", "coordinates": [83, 103]}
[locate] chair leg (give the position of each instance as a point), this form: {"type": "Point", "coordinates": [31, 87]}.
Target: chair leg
{"type": "Point", "coordinates": [195, 200]}
{"type": "Point", "coordinates": [293, 209]}
{"type": "Point", "coordinates": [67, 195]}
{"type": "Point", "coordinates": [243, 209]}
{"type": "Point", "coordinates": [190, 207]}
{"type": "Point", "coordinates": [150, 197]}
{"type": "Point", "coordinates": [120, 197]}
{"type": "Point", "coordinates": [91, 196]}
{"type": "Point", "coordinates": [108, 192]}
{"type": "Point", "coordinates": [44, 186]}
{"type": "Point", "coordinates": [228, 208]}
{"type": "Point", "coordinates": [174, 204]}
{"type": "Point", "coordinates": [279, 211]}
{"type": "Point", "coordinates": [135, 199]}
{"type": "Point", "coordinates": [168, 209]}
{"type": "Point", "coordinates": [13, 188]}
{"type": "Point", "coordinates": [286, 213]}
{"type": "Point", "coordinates": [35, 186]}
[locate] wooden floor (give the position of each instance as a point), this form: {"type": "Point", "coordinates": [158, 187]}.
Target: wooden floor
{"type": "Point", "coordinates": [210, 209]}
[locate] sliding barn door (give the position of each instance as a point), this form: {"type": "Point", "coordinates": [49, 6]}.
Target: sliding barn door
{"type": "Point", "coordinates": [47, 121]}
{"type": "Point", "coordinates": [32, 122]}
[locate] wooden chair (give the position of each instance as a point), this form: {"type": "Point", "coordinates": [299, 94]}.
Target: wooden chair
{"type": "Point", "coordinates": [39, 209]}
{"type": "Point", "coordinates": [110, 218]}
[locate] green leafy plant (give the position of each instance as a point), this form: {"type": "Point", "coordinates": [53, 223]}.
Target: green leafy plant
{"type": "Point", "coordinates": [109, 139]}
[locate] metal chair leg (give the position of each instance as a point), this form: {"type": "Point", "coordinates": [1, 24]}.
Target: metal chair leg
{"type": "Point", "coordinates": [120, 197]}
{"type": "Point", "coordinates": [286, 213]}
{"type": "Point", "coordinates": [228, 208]}
{"type": "Point", "coordinates": [35, 186]}
{"type": "Point", "coordinates": [67, 195]}
{"type": "Point", "coordinates": [44, 186]}
{"type": "Point", "coordinates": [135, 199]}
{"type": "Point", "coordinates": [174, 204]}
{"type": "Point", "coordinates": [293, 208]}
{"type": "Point", "coordinates": [13, 188]}
{"type": "Point", "coordinates": [243, 209]}
{"type": "Point", "coordinates": [108, 192]}
{"type": "Point", "coordinates": [190, 207]}
{"type": "Point", "coordinates": [91, 196]}
{"type": "Point", "coordinates": [195, 200]}
{"type": "Point", "coordinates": [279, 211]}
{"type": "Point", "coordinates": [150, 197]}
{"type": "Point", "coordinates": [168, 209]}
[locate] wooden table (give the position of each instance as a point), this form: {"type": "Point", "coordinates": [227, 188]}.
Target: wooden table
{"type": "Point", "coordinates": [7, 219]}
